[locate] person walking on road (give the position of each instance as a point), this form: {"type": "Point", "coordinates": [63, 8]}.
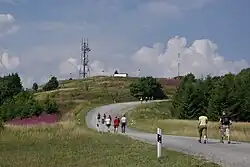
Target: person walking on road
{"type": "Point", "coordinates": [103, 120]}
{"type": "Point", "coordinates": [108, 123]}
{"type": "Point", "coordinates": [119, 121]}
{"type": "Point", "coordinates": [202, 126]}
{"type": "Point", "coordinates": [225, 123]}
{"type": "Point", "coordinates": [98, 122]}
{"type": "Point", "coordinates": [99, 117]}
{"type": "Point", "coordinates": [116, 125]}
{"type": "Point", "coordinates": [124, 122]}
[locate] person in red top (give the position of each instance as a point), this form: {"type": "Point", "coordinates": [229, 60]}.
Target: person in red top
{"type": "Point", "coordinates": [116, 124]}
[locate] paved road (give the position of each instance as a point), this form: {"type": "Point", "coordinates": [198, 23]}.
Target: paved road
{"type": "Point", "coordinates": [234, 155]}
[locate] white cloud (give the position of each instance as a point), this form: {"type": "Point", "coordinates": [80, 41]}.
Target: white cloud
{"type": "Point", "coordinates": [68, 66]}
{"type": "Point", "coordinates": [8, 62]}
{"type": "Point", "coordinates": [7, 24]}
{"type": "Point", "coordinates": [98, 68]}
{"type": "Point", "coordinates": [201, 58]}
{"type": "Point", "coordinates": [71, 65]}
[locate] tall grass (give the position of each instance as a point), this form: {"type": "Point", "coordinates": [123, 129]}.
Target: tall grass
{"type": "Point", "coordinates": [150, 116]}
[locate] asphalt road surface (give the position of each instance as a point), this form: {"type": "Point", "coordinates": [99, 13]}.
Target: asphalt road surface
{"type": "Point", "coordinates": [236, 154]}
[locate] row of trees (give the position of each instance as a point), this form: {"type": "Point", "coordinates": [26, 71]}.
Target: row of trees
{"type": "Point", "coordinates": [52, 84]}
{"type": "Point", "coordinates": [17, 102]}
{"type": "Point", "coordinates": [213, 95]}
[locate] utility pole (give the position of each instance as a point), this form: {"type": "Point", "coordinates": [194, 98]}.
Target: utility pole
{"type": "Point", "coordinates": [179, 63]}
{"type": "Point", "coordinates": [84, 59]}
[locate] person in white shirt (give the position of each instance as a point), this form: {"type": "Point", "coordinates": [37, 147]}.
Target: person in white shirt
{"type": "Point", "coordinates": [108, 123]}
{"type": "Point", "coordinates": [123, 122]}
{"type": "Point", "coordinates": [202, 125]}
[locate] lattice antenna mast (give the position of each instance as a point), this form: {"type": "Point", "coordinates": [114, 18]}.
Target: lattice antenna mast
{"type": "Point", "coordinates": [87, 57]}
{"type": "Point", "coordinates": [179, 63]}
{"type": "Point", "coordinates": [84, 59]}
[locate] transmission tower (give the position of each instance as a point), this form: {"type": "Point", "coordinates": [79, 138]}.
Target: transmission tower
{"type": "Point", "coordinates": [84, 59]}
{"type": "Point", "coordinates": [179, 63]}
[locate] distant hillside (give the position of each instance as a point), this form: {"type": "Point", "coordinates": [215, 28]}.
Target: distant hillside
{"type": "Point", "coordinates": [72, 92]}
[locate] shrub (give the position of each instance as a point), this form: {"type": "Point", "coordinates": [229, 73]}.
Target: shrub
{"type": "Point", "coordinates": [50, 106]}
{"type": "Point", "coordinates": [35, 86]}
{"type": "Point", "coordinates": [147, 87]}
{"type": "Point", "coordinates": [52, 84]}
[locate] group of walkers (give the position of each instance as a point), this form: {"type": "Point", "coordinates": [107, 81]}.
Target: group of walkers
{"type": "Point", "coordinates": [107, 121]}
{"type": "Point", "coordinates": [224, 126]}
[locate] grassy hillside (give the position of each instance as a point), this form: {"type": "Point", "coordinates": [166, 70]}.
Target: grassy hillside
{"type": "Point", "coordinates": [148, 117]}
{"type": "Point", "coordinates": [70, 143]}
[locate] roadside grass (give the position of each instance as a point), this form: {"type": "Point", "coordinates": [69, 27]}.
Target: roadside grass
{"type": "Point", "coordinates": [70, 143]}
{"type": "Point", "coordinates": [149, 117]}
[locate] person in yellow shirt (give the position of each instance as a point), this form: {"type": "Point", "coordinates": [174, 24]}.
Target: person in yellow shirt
{"type": "Point", "coordinates": [202, 126]}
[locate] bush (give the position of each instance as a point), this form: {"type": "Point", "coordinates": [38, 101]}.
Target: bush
{"type": "Point", "coordinates": [17, 103]}
{"type": "Point", "coordinates": [52, 84]}
{"type": "Point", "coordinates": [22, 105]}
{"type": "Point", "coordinates": [147, 87]}
{"type": "Point", "coordinates": [50, 106]}
{"type": "Point", "coordinates": [35, 86]}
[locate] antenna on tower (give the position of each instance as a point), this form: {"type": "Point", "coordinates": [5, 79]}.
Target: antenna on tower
{"type": "Point", "coordinates": [84, 59]}
{"type": "Point", "coordinates": [179, 63]}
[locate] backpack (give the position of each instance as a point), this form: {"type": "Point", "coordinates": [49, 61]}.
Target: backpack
{"type": "Point", "coordinates": [225, 120]}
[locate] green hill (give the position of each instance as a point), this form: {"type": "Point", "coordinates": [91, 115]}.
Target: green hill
{"type": "Point", "coordinates": [70, 143]}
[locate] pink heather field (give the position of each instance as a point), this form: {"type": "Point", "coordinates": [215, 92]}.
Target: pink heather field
{"type": "Point", "coordinates": [42, 119]}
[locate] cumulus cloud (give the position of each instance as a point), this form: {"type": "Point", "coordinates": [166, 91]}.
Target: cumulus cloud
{"type": "Point", "coordinates": [69, 66]}
{"type": "Point", "coordinates": [7, 24]}
{"type": "Point", "coordinates": [99, 68]}
{"type": "Point", "coordinates": [200, 58]}
{"type": "Point", "coordinates": [8, 62]}
{"type": "Point", "coordinates": [72, 65]}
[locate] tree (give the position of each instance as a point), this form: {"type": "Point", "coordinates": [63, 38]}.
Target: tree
{"type": "Point", "coordinates": [10, 86]}
{"type": "Point", "coordinates": [52, 84]}
{"type": "Point", "coordinates": [213, 95]}
{"type": "Point", "coordinates": [35, 86]}
{"type": "Point", "coordinates": [147, 87]}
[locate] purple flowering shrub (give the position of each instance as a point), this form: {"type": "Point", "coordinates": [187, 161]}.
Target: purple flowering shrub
{"type": "Point", "coordinates": [44, 118]}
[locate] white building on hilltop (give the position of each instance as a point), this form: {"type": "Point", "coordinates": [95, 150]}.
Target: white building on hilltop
{"type": "Point", "coordinates": [121, 75]}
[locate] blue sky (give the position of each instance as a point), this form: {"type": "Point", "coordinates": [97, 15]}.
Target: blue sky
{"type": "Point", "coordinates": [122, 35]}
